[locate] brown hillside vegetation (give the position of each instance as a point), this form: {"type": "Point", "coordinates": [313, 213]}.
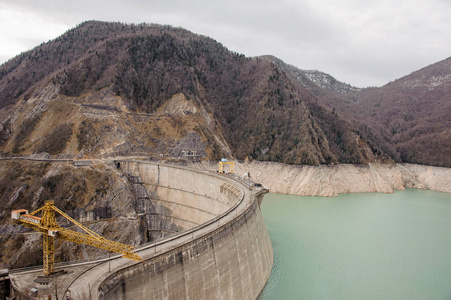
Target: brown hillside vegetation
{"type": "Point", "coordinates": [109, 89]}
{"type": "Point", "coordinates": [414, 114]}
{"type": "Point", "coordinates": [252, 104]}
{"type": "Point", "coordinates": [255, 107]}
{"type": "Point", "coordinates": [408, 120]}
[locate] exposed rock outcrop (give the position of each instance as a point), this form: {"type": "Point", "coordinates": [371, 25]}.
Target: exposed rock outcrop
{"type": "Point", "coordinates": [332, 180]}
{"type": "Point", "coordinates": [98, 195]}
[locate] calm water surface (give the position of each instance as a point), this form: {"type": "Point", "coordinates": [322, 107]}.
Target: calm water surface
{"type": "Point", "coordinates": [360, 246]}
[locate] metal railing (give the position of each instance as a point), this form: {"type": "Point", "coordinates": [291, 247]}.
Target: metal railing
{"type": "Point", "coordinates": [233, 185]}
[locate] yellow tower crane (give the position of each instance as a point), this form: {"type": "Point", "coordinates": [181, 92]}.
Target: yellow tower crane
{"type": "Point", "coordinates": [50, 229]}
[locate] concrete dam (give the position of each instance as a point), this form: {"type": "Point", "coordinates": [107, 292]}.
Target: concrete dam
{"type": "Point", "coordinates": [219, 247]}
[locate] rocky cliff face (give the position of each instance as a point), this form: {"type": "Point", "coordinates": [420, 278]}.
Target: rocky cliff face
{"type": "Point", "coordinates": [99, 124]}
{"type": "Point", "coordinates": [97, 195]}
{"type": "Point", "coordinates": [83, 93]}
{"type": "Point", "coordinates": [104, 90]}
{"type": "Point", "coordinates": [333, 180]}
{"type": "Point", "coordinates": [256, 107]}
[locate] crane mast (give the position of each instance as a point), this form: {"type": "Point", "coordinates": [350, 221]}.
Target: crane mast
{"type": "Point", "coordinates": [50, 229]}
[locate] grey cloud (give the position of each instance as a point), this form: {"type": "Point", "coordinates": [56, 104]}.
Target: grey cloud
{"type": "Point", "coordinates": [362, 43]}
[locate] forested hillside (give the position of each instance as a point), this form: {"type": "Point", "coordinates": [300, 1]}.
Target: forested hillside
{"type": "Point", "coordinates": [260, 112]}
{"type": "Point", "coordinates": [408, 120]}
{"type": "Point", "coordinates": [105, 90]}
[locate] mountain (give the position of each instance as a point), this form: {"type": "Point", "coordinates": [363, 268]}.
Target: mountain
{"type": "Point", "coordinates": [408, 120]}
{"type": "Point", "coordinates": [314, 80]}
{"type": "Point", "coordinates": [109, 89]}
{"type": "Point", "coordinates": [413, 114]}
{"type": "Point", "coordinates": [81, 95]}
{"type": "Point", "coordinates": [62, 90]}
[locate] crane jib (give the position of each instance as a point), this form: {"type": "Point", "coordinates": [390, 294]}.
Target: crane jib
{"type": "Point", "coordinates": [50, 229]}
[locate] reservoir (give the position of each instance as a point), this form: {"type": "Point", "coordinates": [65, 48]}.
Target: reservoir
{"type": "Point", "coordinates": [360, 246]}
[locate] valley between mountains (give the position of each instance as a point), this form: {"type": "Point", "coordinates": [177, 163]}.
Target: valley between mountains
{"type": "Point", "coordinates": [106, 90]}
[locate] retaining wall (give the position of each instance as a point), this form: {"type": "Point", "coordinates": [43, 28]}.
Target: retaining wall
{"type": "Point", "coordinates": [189, 196]}
{"type": "Point", "coordinates": [227, 255]}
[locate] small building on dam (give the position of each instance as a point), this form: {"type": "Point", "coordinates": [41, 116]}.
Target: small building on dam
{"type": "Point", "coordinates": [219, 247]}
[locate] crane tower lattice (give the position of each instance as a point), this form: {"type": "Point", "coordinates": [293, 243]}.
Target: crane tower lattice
{"type": "Point", "coordinates": [50, 229]}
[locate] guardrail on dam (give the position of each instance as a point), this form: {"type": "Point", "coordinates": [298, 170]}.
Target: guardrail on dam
{"type": "Point", "coordinates": [228, 255]}
{"type": "Point", "coordinates": [222, 249]}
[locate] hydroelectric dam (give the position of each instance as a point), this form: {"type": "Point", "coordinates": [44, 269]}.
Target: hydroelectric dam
{"type": "Point", "coordinates": [222, 249]}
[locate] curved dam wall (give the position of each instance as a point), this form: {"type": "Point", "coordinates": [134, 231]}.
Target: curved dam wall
{"type": "Point", "coordinates": [186, 197]}
{"type": "Point", "coordinates": [223, 252]}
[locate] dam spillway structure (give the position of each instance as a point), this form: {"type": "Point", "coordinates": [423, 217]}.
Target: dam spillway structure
{"type": "Point", "coordinates": [216, 246]}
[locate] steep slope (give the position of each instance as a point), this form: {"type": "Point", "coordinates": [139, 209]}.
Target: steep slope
{"type": "Point", "coordinates": [413, 113]}
{"type": "Point", "coordinates": [407, 120]}
{"type": "Point", "coordinates": [98, 124]}
{"type": "Point", "coordinates": [110, 89]}
{"type": "Point", "coordinates": [316, 81]}
{"type": "Point", "coordinates": [345, 140]}
{"type": "Point", "coordinates": [107, 89]}
{"type": "Point", "coordinates": [98, 194]}
{"type": "Point", "coordinates": [248, 102]}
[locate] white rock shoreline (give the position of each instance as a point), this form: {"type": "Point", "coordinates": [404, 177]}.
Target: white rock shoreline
{"type": "Point", "coordinates": [329, 181]}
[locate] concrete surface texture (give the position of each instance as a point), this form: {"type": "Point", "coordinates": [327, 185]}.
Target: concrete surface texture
{"type": "Point", "coordinates": [222, 249]}
{"type": "Point", "coordinates": [232, 261]}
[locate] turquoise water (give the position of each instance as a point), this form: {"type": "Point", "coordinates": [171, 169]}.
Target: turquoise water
{"type": "Point", "coordinates": [360, 246]}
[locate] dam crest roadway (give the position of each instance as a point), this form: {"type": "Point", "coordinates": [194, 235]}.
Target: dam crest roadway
{"type": "Point", "coordinates": [222, 251]}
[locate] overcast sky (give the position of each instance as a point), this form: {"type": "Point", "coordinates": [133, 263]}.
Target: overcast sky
{"type": "Point", "coordinates": [364, 43]}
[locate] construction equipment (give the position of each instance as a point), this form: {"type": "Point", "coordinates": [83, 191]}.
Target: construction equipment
{"type": "Point", "coordinates": [50, 229]}
{"type": "Point", "coordinates": [225, 162]}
